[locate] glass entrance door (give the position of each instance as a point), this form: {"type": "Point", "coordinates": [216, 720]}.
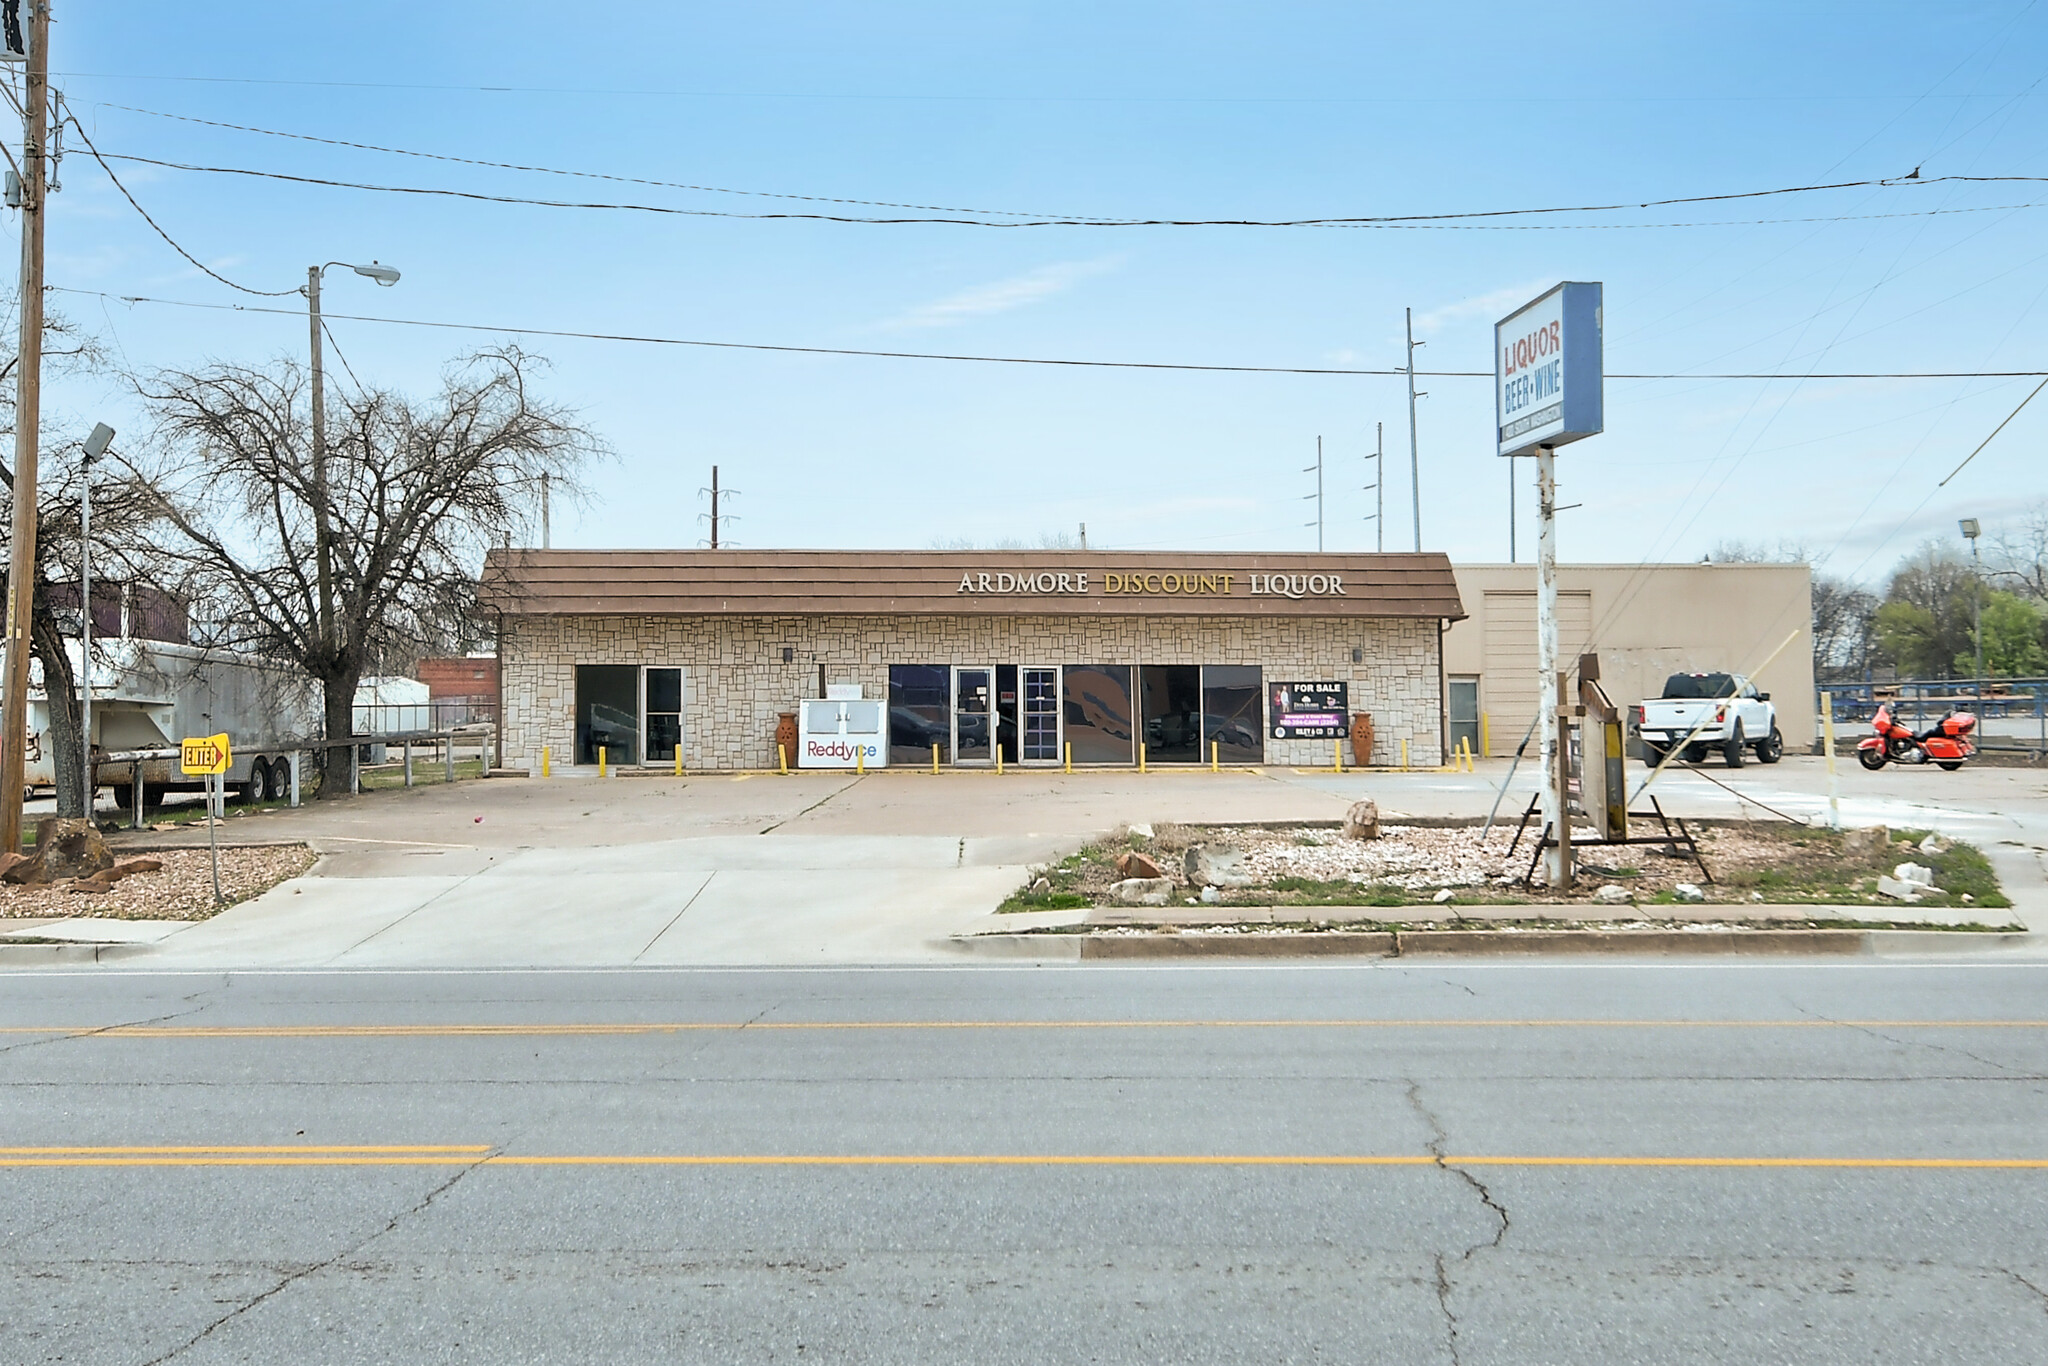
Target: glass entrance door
{"type": "Point", "coordinates": [1039, 716]}
{"type": "Point", "coordinates": [973, 716]}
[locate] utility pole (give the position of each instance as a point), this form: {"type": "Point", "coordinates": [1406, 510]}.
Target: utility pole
{"type": "Point", "coordinates": [544, 529]}
{"type": "Point", "coordinates": [1414, 460]}
{"type": "Point", "coordinates": [714, 507]}
{"type": "Point", "coordinates": [1972, 529]}
{"type": "Point", "coordinates": [1084, 535]}
{"type": "Point", "coordinates": [1378, 487]}
{"type": "Point", "coordinates": [1511, 512]}
{"type": "Point", "coordinates": [21, 570]}
{"type": "Point", "coordinates": [1317, 470]}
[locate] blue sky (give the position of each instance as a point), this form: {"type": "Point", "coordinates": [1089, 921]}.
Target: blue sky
{"type": "Point", "coordinates": [1150, 110]}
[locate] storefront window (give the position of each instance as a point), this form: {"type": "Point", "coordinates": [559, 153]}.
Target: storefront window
{"type": "Point", "coordinates": [1232, 719]}
{"type": "Point", "coordinates": [664, 714]}
{"type": "Point", "coordinates": [1096, 699]}
{"type": "Point", "coordinates": [607, 713]}
{"type": "Point", "coordinates": [918, 702]}
{"type": "Point", "coordinates": [1171, 698]}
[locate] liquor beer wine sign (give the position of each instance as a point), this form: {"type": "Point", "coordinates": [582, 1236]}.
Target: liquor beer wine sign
{"type": "Point", "coordinates": [1547, 374]}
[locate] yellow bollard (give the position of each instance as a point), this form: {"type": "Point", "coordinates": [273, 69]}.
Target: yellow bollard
{"type": "Point", "coordinates": [1404, 755]}
{"type": "Point", "coordinates": [543, 761]}
{"type": "Point", "coordinates": [1070, 756]}
{"type": "Point", "coordinates": [1336, 756]}
{"type": "Point", "coordinates": [679, 761]}
{"type": "Point", "coordinates": [1470, 767]}
{"type": "Point", "coordinates": [860, 759]}
{"type": "Point", "coordinates": [935, 761]}
{"type": "Point", "coordinates": [1215, 764]}
{"type": "Point", "coordinates": [600, 761]}
{"type": "Point", "coordinates": [1141, 756]}
{"type": "Point", "coordinates": [782, 759]}
{"type": "Point", "coordinates": [1485, 736]}
{"type": "Point", "coordinates": [999, 758]}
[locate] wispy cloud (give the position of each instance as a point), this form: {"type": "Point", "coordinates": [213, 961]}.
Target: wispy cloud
{"type": "Point", "coordinates": [1002, 296]}
{"type": "Point", "coordinates": [1490, 305]}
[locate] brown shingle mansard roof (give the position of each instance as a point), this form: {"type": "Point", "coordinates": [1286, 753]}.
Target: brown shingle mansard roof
{"type": "Point", "coordinates": [927, 583]}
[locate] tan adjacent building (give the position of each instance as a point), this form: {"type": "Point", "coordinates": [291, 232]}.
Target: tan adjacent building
{"type": "Point", "coordinates": [1645, 622]}
{"type": "Point", "coordinates": [1023, 657]}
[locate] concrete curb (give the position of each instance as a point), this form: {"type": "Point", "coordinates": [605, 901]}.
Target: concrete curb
{"type": "Point", "coordinates": [1489, 944]}
{"type": "Point", "coordinates": [45, 955]}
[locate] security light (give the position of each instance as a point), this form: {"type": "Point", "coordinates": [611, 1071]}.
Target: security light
{"type": "Point", "coordinates": [96, 444]}
{"type": "Point", "coordinates": [382, 274]}
{"type": "Point", "coordinates": [1969, 526]}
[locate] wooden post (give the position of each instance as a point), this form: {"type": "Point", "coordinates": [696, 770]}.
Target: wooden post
{"type": "Point", "coordinates": [27, 428]}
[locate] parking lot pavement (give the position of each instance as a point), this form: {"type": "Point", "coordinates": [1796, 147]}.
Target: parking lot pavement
{"type": "Point", "coordinates": [836, 868]}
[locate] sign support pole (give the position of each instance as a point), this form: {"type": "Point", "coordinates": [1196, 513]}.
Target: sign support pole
{"type": "Point", "coordinates": [1557, 861]}
{"type": "Point", "coordinates": [213, 801]}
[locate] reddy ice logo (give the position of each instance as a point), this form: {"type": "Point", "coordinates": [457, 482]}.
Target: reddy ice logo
{"type": "Point", "coordinates": [838, 749]}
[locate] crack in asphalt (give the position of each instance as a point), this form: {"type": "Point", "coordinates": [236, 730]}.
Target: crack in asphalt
{"type": "Point", "coordinates": [1439, 1136]}
{"type": "Point", "coordinates": [302, 1272]}
{"type": "Point", "coordinates": [2028, 1284]}
{"type": "Point", "coordinates": [192, 1006]}
{"type": "Point", "coordinates": [1907, 1043]}
{"type": "Point", "coordinates": [809, 809]}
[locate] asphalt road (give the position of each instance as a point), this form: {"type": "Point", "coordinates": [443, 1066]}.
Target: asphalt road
{"type": "Point", "coordinates": [1555, 1162]}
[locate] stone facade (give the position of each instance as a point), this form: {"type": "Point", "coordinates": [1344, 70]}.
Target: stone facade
{"type": "Point", "coordinates": [735, 682]}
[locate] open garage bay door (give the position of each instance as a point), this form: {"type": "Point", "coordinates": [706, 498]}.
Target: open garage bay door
{"type": "Point", "coordinates": [1509, 680]}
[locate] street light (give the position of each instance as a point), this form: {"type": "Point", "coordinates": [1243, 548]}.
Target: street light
{"type": "Point", "coordinates": [1971, 531]}
{"type": "Point", "coordinates": [95, 447]}
{"type": "Point", "coordinates": [385, 276]}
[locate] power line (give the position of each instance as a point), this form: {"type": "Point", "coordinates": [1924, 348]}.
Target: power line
{"type": "Point", "coordinates": [1050, 218]}
{"type": "Point", "coordinates": [174, 245]}
{"type": "Point", "coordinates": [646, 340]}
{"type": "Point", "coordinates": [554, 170]}
{"type": "Point", "coordinates": [1363, 220]}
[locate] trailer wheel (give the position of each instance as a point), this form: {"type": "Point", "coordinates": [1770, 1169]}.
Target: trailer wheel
{"type": "Point", "coordinates": [257, 789]}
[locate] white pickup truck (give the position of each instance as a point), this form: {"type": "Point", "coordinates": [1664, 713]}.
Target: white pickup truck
{"type": "Point", "coordinates": [1711, 712]}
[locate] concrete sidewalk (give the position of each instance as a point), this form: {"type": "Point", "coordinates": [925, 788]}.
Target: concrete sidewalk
{"type": "Point", "coordinates": [830, 868]}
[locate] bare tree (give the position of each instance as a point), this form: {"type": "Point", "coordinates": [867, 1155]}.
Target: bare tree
{"type": "Point", "coordinates": [414, 492]}
{"type": "Point", "coordinates": [2019, 559]}
{"type": "Point", "coordinates": [1844, 613]}
{"type": "Point", "coordinates": [118, 517]}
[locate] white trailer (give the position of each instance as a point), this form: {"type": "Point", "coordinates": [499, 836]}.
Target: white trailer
{"type": "Point", "coordinates": [150, 694]}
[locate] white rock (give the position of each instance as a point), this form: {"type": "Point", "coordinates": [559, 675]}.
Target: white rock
{"type": "Point", "coordinates": [1142, 831]}
{"type": "Point", "coordinates": [1687, 891]}
{"type": "Point", "coordinates": [1040, 887]}
{"type": "Point", "coordinates": [1143, 891]}
{"type": "Point", "coordinates": [1362, 821]}
{"type": "Point", "coordinates": [1756, 896]}
{"type": "Point", "coordinates": [1613, 894]}
{"type": "Point", "coordinates": [1914, 872]}
{"type": "Point", "coordinates": [1898, 888]}
{"type": "Point", "coordinates": [1443, 894]}
{"type": "Point", "coordinates": [1967, 898]}
{"type": "Point", "coordinates": [1215, 865]}
{"type": "Point", "coordinates": [1935, 844]}
{"type": "Point", "coordinates": [1210, 896]}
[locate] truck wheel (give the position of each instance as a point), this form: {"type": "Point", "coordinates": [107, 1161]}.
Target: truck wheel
{"type": "Point", "coordinates": [1731, 752]}
{"type": "Point", "coordinates": [1652, 755]}
{"type": "Point", "coordinates": [1695, 753]}
{"type": "Point", "coordinates": [1771, 750]}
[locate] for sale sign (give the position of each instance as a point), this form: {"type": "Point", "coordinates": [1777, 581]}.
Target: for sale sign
{"type": "Point", "coordinates": [1317, 710]}
{"type": "Point", "coordinates": [208, 754]}
{"type": "Point", "coordinates": [1547, 373]}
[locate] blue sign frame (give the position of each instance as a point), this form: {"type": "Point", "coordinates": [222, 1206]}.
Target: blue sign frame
{"type": "Point", "coordinates": [1549, 365]}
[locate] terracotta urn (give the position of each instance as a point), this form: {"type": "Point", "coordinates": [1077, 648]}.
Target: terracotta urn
{"type": "Point", "coordinates": [785, 738]}
{"type": "Point", "coordinates": [1361, 738]}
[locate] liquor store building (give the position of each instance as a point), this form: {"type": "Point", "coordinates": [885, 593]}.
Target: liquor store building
{"type": "Point", "coordinates": [976, 657]}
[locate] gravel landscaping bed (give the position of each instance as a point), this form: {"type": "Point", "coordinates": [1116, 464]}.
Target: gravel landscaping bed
{"type": "Point", "coordinates": [1750, 863]}
{"type": "Point", "coordinates": [181, 890]}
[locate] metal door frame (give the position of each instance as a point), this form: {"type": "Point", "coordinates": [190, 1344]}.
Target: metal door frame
{"type": "Point", "coordinates": [1059, 716]}
{"type": "Point", "coordinates": [953, 716]}
{"type": "Point", "coordinates": [682, 715]}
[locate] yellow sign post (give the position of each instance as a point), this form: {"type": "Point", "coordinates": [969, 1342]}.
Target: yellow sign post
{"type": "Point", "coordinates": [208, 755]}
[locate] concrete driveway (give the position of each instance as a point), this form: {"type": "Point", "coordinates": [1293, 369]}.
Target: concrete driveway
{"type": "Point", "coordinates": [835, 869]}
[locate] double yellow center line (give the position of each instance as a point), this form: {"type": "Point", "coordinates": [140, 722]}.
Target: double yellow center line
{"type": "Point", "coordinates": [479, 1154]}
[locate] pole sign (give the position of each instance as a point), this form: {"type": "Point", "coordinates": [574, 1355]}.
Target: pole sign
{"type": "Point", "coordinates": [204, 754]}
{"type": "Point", "coordinates": [1547, 373]}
